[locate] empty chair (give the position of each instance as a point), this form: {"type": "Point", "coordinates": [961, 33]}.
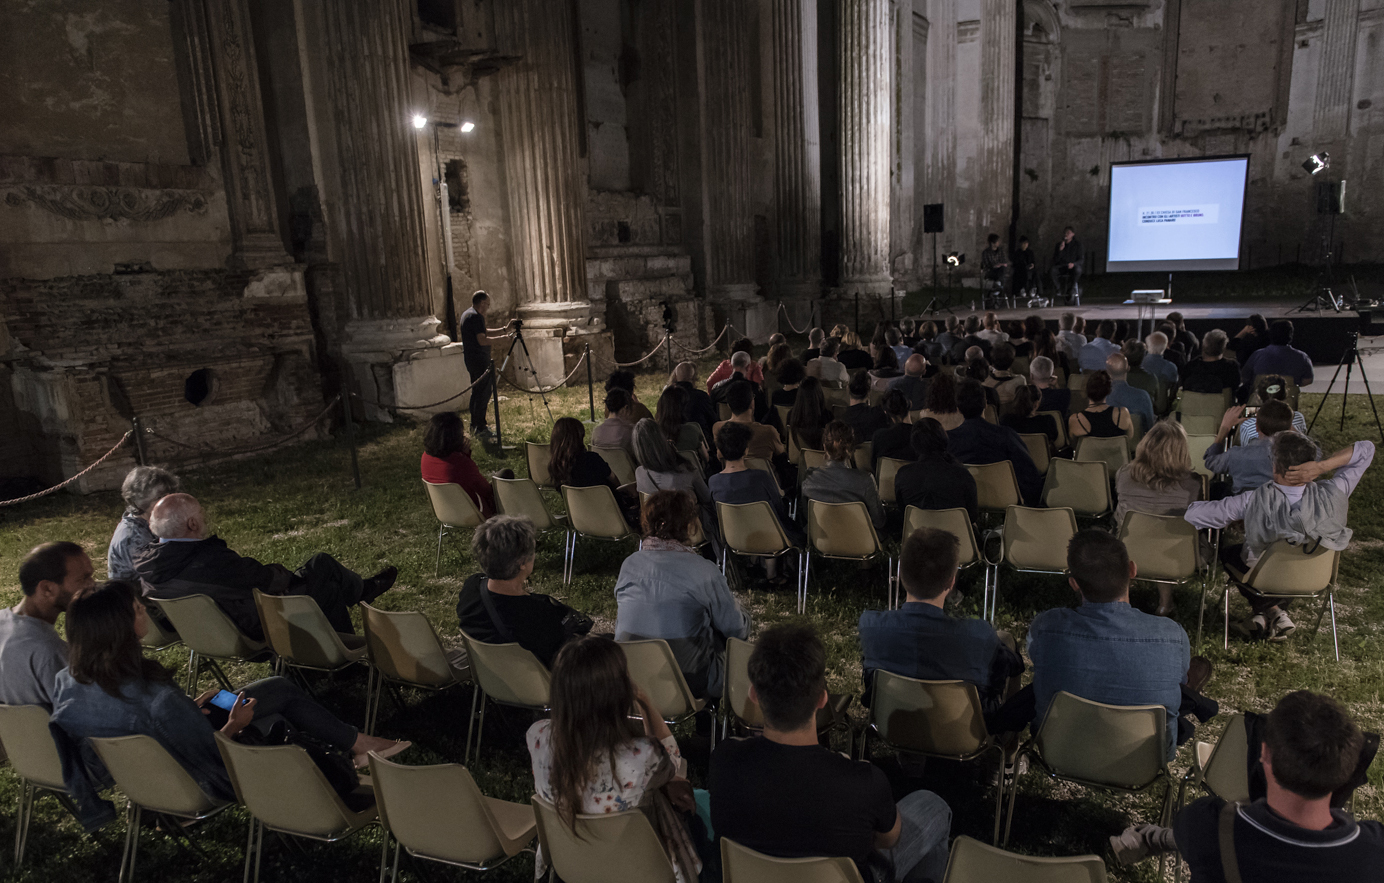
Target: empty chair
{"type": "Point", "coordinates": [404, 649]}
{"type": "Point", "coordinates": [1288, 572]}
{"type": "Point", "coordinates": [782, 411]}
{"type": "Point", "coordinates": [1035, 541]}
{"type": "Point", "coordinates": [884, 477]}
{"type": "Point", "coordinates": [521, 496]}
{"type": "Point", "coordinates": [593, 513]}
{"type": "Point", "coordinates": [34, 758]}
{"type": "Point", "coordinates": [844, 531]}
{"type": "Point", "coordinates": [211, 637]}
{"type": "Point", "coordinates": [740, 864]}
{"type": "Point", "coordinates": [619, 461]}
{"type": "Point", "coordinates": [1166, 551]}
{"type": "Point", "coordinates": [284, 791]}
{"type": "Point", "coordinates": [437, 813]}
{"type": "Point", "coordinates": [504, 673]}
{"type": "Point", "coordinates": [300, 635]}
{"type": "Point", "coordinates": [152, 780]}
{"type": "Point", "coordinates": [1113, 452]}
{"type": "Point", "coordinates": [654, 669]}
{"type": "Point", "coordinates": [752, 530]}
{"type": "Point", "coordinates": [1080, 485]}
{"type": "Point", "coordinates": [973, 862]}
{"type": "Point", "coordinates": [1039, 448]}
{"type": "Point", "coordinates": [618, 847]}
{"type": "Point", "coordinates": [539, 455]}
{"type": "Point", "coordinates": [455, 510]}
{"type": "Point", "coordinates": [997, 488]}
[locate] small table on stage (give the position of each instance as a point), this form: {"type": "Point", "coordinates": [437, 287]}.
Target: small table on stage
{"type": "Point", "coordinates": [1142, 300]}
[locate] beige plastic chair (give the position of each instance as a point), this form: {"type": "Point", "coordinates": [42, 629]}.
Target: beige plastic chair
{"type": "Point", "coordinates": [884, 478]}
{"type": "Point", "coordinates": [654, 669]}
{"type": "Point", "coordinates": [300, 635]}
{"type": "Point", "coordinates": [782, 411]}
{"type": "Point", "coordinates": [1035, 541]}
{"type": "Point", "coordinates": [1166, 550]}
{"type": "Point", "coordinates": [1080, 485]}
{"type": "Point", "coordinates": [740, 864]}
{"type": "Point", "coordinates": [1222, 769]}
{"type": "Point", "coordinates": [455, 510]}
{"type": "Point", "coordinates": [157, 637]}
{"type": "Point", "coordinates": [1061, 422]}
{"type": "Point", "coordinates": [1077, 384]}
{"type": "Point", "coordinates": [404, 649]}
{"type": "Point", "coordinates": [618, 847]}
{"type": "Point", "coordinates": [1113, 452]}
{"type": "Point", "coordinates": [1196, 446]}
{"type": "Point", "coordinates": [842, 531]}
{"type": "Point", "coordinates": [618, 459]}
{"type": "Point", "coordinates": [752, 530]}
{"type": "Point", "coordinates": [593, 513]}
{"type": "Point", "coordinates": [152, 780]}
{"type": "Point", "coordinates": [503, 673]}
{"type": "Point", "coordinates": [1200, 413]}
{"type": "Point", "coordinates": [932, 718]}
{"type": "Point", "coordinates": [974, 862]}
{"type": "Point", "coordinates": [1107, 747]}
{"type": "Point", "coordinates": [211, 637]}
{"type": "Point", "coordinates": [1287, 572]}
{"type": "Point", "coordinates": [521, 496]}
{"type": "Point", "coordinates": [764, 466]}
{"type": "Point", "coordinates": [437, 813]}
{"type": "Point", "coordinates": [34, 758]}
{"type": "Point", "coordinates": [814, 459]}
{"type": "Point", "coordinates": [539, 456]}
{"type": "Point", "coordinates": [997, 488]}
{"type": "Point", "coordinates": [284, 791]}
{"type": "Point", "coordinates": [956, 522]}
{"type": "Point", "coordinates": [744, 711]}
{"type": "Point", "coordinates": [863, 456]}
{"type": "Point", "coordinates": [1039, 449]}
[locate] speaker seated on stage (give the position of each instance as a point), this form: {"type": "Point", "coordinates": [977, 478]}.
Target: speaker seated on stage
{"type": "Point", "coordinates": [994, 263]}
{"type": "Point", "coordinates": [1067, 261]}
{"type": "Point", "coordinates": [1025, 268]}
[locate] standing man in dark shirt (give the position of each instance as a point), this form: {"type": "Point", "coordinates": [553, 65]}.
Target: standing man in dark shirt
{"type": "Point", "coordinates": [475, 342]}
{"type": "Point", "coordinates": [783, 794]}
{"type": "Point", "coordinates": [1067, 263]}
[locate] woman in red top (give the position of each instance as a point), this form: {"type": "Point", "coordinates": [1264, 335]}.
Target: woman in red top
{"type": "Point", "coordinates": [447, 460]}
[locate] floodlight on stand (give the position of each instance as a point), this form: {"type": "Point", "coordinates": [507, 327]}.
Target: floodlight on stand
{"type": "Point", "coordinates": [419, 121]}
{"type": "Point", "coordinates": [955, 259]}
{"type": "Point", "coordinates": [1316, 163]}
{"type": "Point", "coordinates": [467, 126]}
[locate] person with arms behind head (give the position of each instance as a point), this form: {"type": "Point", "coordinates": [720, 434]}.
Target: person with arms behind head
{"type": "Point", "coordinates": [143, 487]}
{"type": "Point", "coordinates": [31, 653]}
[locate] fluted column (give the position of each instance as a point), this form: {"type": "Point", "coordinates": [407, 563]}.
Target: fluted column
{"type": "Point", "coordinates": [539, 125]}
{"type": "Point", "coordinates": [797, 150]}
{"type": "Point", "coordinates": [1336, 70]}
{"type": "Point", "coordinates": [865, 112]}
{"type": "Point", "coordinates": [995, 191]}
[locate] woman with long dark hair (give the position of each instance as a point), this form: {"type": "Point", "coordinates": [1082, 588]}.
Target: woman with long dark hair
{"type": "Point", "coordinates": [941, 402]}
{"type": "Point", "coordinates": [671, 417]}
{"type": "Point", "coordinates": [590, 758]}
{"type": "Point", "coordinates": [571, 464]}
{"type": "Point", "coordinates": [110, 688]}
{"type": "Point", "coordinates": [447, 460]}
{"type": "Point", "coordinates": [809, 415]}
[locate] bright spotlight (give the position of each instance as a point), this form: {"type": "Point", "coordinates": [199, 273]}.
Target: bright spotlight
{"type": "Point", "coordinates": [419, 121]}
{"type": "Point", "coordinates": [467, 126]}
{"type": "Point", "coordinates": [1316, 162]}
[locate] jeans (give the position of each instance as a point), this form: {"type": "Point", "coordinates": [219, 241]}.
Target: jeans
{"type": "Point", "coordinates": [282, 697]}
{"type": "Point", "coordinates": [335, 587]}
{"type": "Point", "coordinates": [480, 392]}
{"type": "Point", "coordinates": [1060, 272]}
{"type": "Point", "coordinates": [921, 853]}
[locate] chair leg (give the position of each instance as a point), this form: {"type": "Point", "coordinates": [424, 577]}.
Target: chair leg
{"type": "Point", "coordinates": [1335, 640]}
{"type": "Point", "coordinates": [218, 673]}
{"type": "Point", "coordinates": [807, 570]}
{"type": "Point", "coordinates": [437, 566]}
{"type": "Point", "coordinates": [476, 696]}
{"type": "Point", "coordinates": [394, 872]}
{"type": "Point", "coordinates": [1201, 614]}
{"type": "Point", "coordinates": [370, 700]}
{"type": "Point", "coordinates": [249, 851]}
{"type": "Point", "coordinates": [259, 850]}
{"type": "Point", "coordinates": [1226, 645]}
{"type": "Point", "coordinates": [999, 800]}
{"type": "Point", "coordinates": [384, 854]}
{"type": "Point", "coordinates": [21, 832]}
{"type": "Point", "coordinates": [127, 861]}
{"type": "Point", "coordinates": [1013, 799]}
{"type": "Point", "coordinates": [192, 672]}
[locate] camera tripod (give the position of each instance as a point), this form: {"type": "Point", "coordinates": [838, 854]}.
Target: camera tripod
{"type": "Point", "coordinates": [517, 341]}
{"type": "Point", "coordinates": [1323, 297]}
{"type": "Point", "coordinates": [1349, 359]}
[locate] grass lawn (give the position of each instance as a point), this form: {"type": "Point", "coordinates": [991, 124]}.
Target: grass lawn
{"type": "Point", "coordinates": [287, 505]}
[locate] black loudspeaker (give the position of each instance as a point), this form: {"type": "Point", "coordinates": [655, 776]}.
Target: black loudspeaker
{"type": "Point", "coordinates": [1331, 198]}
{"type": "Point", "coordinates": [932, 218]}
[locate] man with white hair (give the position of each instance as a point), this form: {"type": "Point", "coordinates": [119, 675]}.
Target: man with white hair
{"type": "Point", "coordinates": [1042, 373]}
{"type": "Point", "coordinates": [1155, 364]}
{"type": "Point", "coordinates": [187, 561]}
{"type": "Point", "coordinates": [740, 364]}
{"type": "Point", "coordinates": [1067, 338]}
{"type": "Point", "coordinates": [143, 487]}
{"type": "Point", "coordinates": [1122, 395]}
{"type": "Point", "coordinates": [1213, 372]}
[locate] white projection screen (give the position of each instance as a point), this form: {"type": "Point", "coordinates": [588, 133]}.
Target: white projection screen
{"type": "Point", "coordinates": [1183, 214]}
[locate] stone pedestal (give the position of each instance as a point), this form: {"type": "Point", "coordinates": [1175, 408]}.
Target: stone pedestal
{"type": "Point", "coordinates": [403, 361]}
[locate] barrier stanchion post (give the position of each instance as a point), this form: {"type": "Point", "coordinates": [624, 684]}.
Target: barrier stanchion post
{"type": "Point", "coordinates": [668, 344]}
{"type": "Point", "coordinates": [138, 427]}
{"type": "Point", "coordinates": [590, 388]}
{"type": "Point", "coordinates": [350, 426]}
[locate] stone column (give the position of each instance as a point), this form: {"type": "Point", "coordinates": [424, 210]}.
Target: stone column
{"type": "Point", "coordinates": [1336, 69]}
{"type": "Point", "coordinates": [797, 155]}
{"type": "Point", "coordinates": [865, 47]}
{"type": "Point", "coordinates": [540, 129]}
{"type": "Point", "coordinates": [995, 191]}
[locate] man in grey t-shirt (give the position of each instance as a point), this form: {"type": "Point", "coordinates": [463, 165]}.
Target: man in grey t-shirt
{"type": "Point", "coordinates": [31, 653]}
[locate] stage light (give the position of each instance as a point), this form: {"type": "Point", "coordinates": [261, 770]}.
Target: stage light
{"type": "Point", "coordinates": [419, 121]}
{"type": "Point", "coordinates": [467, 126]}
{"type": "Point", "coordinates": [1317, 162]}
{"type": "Point", "coordinates": [956, 259]}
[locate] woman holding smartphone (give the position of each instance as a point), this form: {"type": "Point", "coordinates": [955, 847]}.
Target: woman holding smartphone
{"type": "Point", "coordinates": [110, 688]}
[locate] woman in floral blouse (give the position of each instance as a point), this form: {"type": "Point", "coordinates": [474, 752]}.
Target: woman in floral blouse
{"type": "Point", "coordinates": [588, 758]}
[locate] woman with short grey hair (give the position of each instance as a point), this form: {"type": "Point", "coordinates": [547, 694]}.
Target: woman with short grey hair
{"type": "Point", "coordinates": [495, 607]}
{"type": "Point", "coordinates": [143, 487]}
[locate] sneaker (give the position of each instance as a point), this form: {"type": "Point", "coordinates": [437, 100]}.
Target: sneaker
{"type": "Point", "coordinates": [1131, 846]}
{"type": "Point", "coordinates": [1254, 627]}
{"type": "Point", "coordinates": [1280, 628]}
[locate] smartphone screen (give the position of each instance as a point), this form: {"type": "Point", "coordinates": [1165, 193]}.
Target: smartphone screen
{"type": "Point", "coordinates": [224, 700]}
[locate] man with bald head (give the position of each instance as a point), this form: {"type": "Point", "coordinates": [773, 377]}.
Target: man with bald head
{"type": "Point", "coordinates": [186, 561]}
{"type": "Point", "coordinates": [1125, 396]}
{"type": "Point", "coordinates": [914, 383]}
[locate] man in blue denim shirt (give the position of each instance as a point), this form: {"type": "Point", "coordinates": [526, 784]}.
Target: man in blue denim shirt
{"type": "Point", "coordinates": [1106, 651]}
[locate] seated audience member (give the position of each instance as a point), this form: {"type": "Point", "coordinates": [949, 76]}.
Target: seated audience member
{"type": "Point", "coordinates": [571, 464]}
{"type": "Point", "coordinates": [809, 416]}
{"type": "Point", "coordinates": [1023, 416]}
{"type": "Point", "coordinates": [721, 392]}
{"type": "Point", "coordinates": [913, 384]}
{"type": "Point", "coordinates": [1092, 356]}
{"type": "Point", "coordinates": [1135, 353]}
{"type": "Point", "coordinates": [592, 757]}
{"type": "Point", "coordinates": [662, 469]}
{"type": "Point", "coordinates": [1310, 750]}
{"type": "Point", "coordinates": [1249, 466]}
{"type": "Point", "coordinates": [784, 794]}
{"type": "Point", "coordinates": [928, 345]}
{"type": "Point", "coordinates": [1045, 346]}
{"type": "Point", "coordinates": [920, 640]}
{"type": "Point", "coordinates": [886, 368]}
{"type": "Point", "coordinates": [941, 402]}
{"type": "Point", "coordinates": [1107, 651]}
{"type": "Point", "coordinates": [1171, 354]}
{"type": "Point", "coordinates": [495, 607]}
{"type": "Point", "coordinates": [815, 338]}
{"type": "Point", "coordinates": [1019, 337]}
{"type": "Point", "coordinates": [737, 483]}
{"type": "Point", "coordinates": [447, 460]}
{"type": "Point", "coordinates": [892, 440]}
{"type": "Point", "coordinates": [1158, 481]}
{"type": "Point", "coordinates": [623, 379]}
{"type": "Point", "coordinates": [992, 331]}
{"type": "Point", "coordinates": [790, 376]}
{"type": "Point", "coordinates": [750, 368]}
{"type": "Point", "coordinates": [1000, 378]}
{"type": "Point", "coordinates": [186, 561]}
{"type": "Point", "coordinates": [111, 689]}
{"type": "Point", "coordinates": [894, 340]}
{"type": "Point", "coordinates": [863, 418]}
{"type": "Point", "coordinates": [1068, 339]}
{"type": "Point", "coordinates": [1298, 506]}
{"type": "Point", "coordinates": [683, 433]}
{"type": "Point", "coordinates": [766, 443]}
{"type": "Point", "coordinates": [850, 355]}
{"type": "Point", "coordinates": [1268, 388]}
{"type": "Point", "coordinates": [1251, 338]}
{"type": "Point", "coordinates": [935, 479]}
{"type": "Point", "coordinates": [949, 337]}
{"type": "Point", "coordinates": [666, 590]}
{"type": "Point", "coordinates": [969, 337]}
{"type": "Point", "coordinates": [1213, 372]}
{"type": "Point", "coordinates": [618, 426]}
{"type": "Point", "coordinates": [1279, 357]}
{"type": "Point", "coordinates": [1053, 397]}
{"type": "Point", "coordinates": [1099, 420]}
{"type": "Point", "coordinates": [777, 355]}
{"type": "Point", "coordinates": [1182, 339]}
{"type": "Point", "coordinates": [1122, 395]}
{"type": "Point", "coordinates": [977, 442]}
{"type": "Point", "coordinates": [1157, 364]}
{"type": "Point", "coordinates": [826, 368]}
{"type": "Point", "coordinates": [31, 652]}
{"type": "Point", "coordinates": [699, 409]}
{"type": "Point", "coordinates": [838, 481]}
{"type": "Point", "coordinates": [143, 487]}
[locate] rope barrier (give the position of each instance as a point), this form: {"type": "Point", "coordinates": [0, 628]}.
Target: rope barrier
{"type": "Point", "coordinates": [422, 407]}
{"type": "Point", "coordinates": [789, 320]}
{"type": "Point", "coordinates": [57, 487]}
{"type": "Point", "coordinates": [687, 349]}
{"type": "Point", "coordinates": [221, 452]}
{"type": "Point", "coordinates": [561, 383]}
{"type": "Point", "coordinates": [639, 360]}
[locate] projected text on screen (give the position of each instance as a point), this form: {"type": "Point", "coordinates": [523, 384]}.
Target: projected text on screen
{"type": "Point", "coordinates": [1176, 215]}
